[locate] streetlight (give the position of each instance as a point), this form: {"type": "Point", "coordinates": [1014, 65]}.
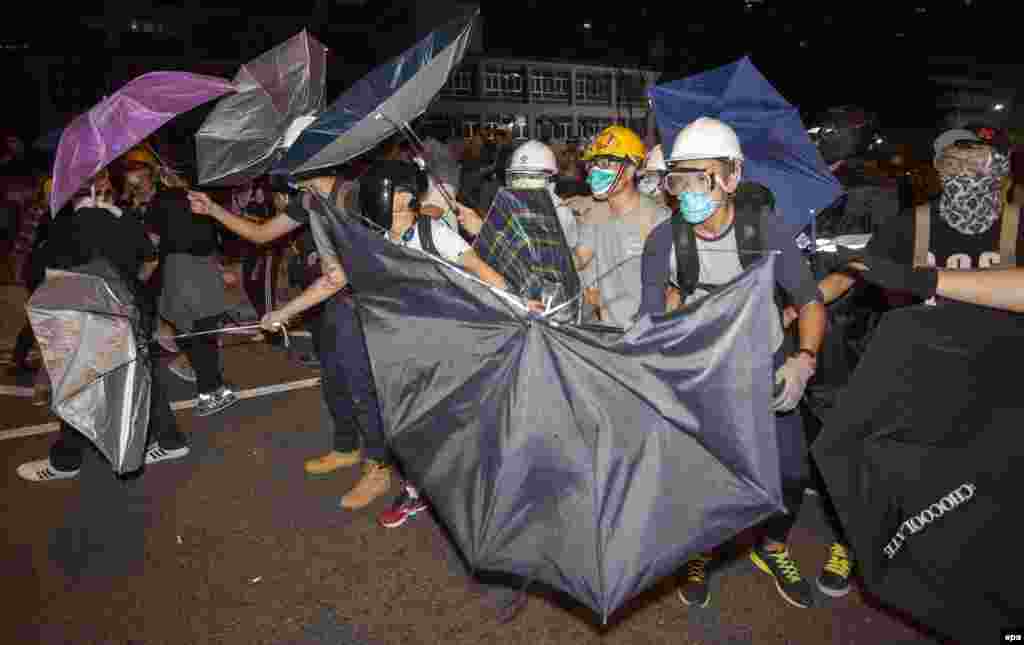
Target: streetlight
{"type": "Point", "coordinates": [999, 107]}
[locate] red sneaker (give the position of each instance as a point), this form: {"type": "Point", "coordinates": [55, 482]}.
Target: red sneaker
{"type": "Point", "coordinates": [408, 505]}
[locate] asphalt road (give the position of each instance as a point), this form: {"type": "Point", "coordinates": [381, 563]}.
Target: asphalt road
{"type": "Point", "coordinates": [234, 544]}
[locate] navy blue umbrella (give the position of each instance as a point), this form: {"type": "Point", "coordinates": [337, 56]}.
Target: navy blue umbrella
{"type": "Point", "coordinates": [777, 149]}
{"type": "Point", "coordinates": [378, 104]}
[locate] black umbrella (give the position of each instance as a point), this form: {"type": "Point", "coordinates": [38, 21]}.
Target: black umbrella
{"type": "Point", "coordinates": [924, 459]}
{"type": "Point", "coordinates": [594, 462]}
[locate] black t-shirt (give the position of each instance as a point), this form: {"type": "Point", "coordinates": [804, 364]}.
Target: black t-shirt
{"type": "Point", "coordinates": [181, 230]}
{"type": "Point", "coordinates": [948, 248]}
{"type": "Point", "coordinates": [91, 233]}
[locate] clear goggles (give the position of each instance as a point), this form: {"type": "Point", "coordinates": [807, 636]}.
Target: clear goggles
{"type": "Point", "coordinates": [678, 182]}
{"type": "Point", "coordinates": [605, 163]}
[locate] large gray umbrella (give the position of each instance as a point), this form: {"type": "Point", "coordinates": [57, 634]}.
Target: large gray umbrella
{"type": "Point", "coordinates": [375, 107]}
{"type": "Point", "coordinates": [280, 92]}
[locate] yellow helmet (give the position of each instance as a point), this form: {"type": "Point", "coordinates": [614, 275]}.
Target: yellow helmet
{"type": "Point", "coordinates": [47, 189]}
{"type": "Point", "coordinates": [142, 154]}
{"type": "Point", "coordinates": [617, 141]}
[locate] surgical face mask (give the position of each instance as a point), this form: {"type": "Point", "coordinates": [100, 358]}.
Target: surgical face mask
{"type": "Point", "coordinates": [601, 181]}
{"type": "Point", "coordinates": [695, 207]}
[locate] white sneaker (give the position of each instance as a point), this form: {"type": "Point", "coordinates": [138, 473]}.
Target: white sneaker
{"type": "Point", "coordinates": [41, 471]}
{"type": "Point", "coordinates": [156, 454]}
{"type": "Point", "coordinates": [220, 399]}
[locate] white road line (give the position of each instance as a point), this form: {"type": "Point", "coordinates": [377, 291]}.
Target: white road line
{"type": "Point", "coordinates": [47, 428]}
{"type": "Point", "coordinates": [14, 390]}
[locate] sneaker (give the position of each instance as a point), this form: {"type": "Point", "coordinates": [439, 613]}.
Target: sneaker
{"type": "Point", "coordinates": [408, 505]}
{"type": "Point", "coordinates": [376, 481]}
{"type": "Point", "coordinates": [332, 461]}
{"type": "Point", "coordinates": [216, 401]}
{"type": "Point", "coordinates": [181, 368]}
{"type": "Point", "coordinates": [156, 454]}
{"type": "Point", "coordinates": [791, 585]}
{"type": "Point", "coordinates": [834, 580]}
{"type": "Point", "coordinates": [42, 470]}
{"type": "Point", "coordinates": [694, 591]}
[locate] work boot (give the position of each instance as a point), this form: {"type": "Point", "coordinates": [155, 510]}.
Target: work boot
{"type": "Point", "coordinates": [376, 481]}
{"type": "Point", "coordinates": [332, 461]}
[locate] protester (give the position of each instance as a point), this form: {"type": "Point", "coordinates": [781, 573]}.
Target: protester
{"type": "Point", "coordinates": [191, 289]}
{"type": "Point", "coordinates": [720, 226]}
{"type": "Point", "coordinates": [651, 176]}
{"type": "Point", "coordinates": [94, 229]}
{"type": "Point", "coordinates": [335, 337]}
{"type": "Point", "coordinates": [613, 247]}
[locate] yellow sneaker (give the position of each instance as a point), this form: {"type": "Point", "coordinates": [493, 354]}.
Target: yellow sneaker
{"type": "Point", "coordinates": [332, 461]}
{"type": "Point", "coordinates": [376, 481]}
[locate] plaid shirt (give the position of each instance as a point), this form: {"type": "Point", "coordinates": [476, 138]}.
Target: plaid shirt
{"type": "Point", "coordinates": [523, 241]}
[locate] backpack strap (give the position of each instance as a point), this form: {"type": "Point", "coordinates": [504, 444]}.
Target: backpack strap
{"type": "Point", "coordinates": [687, 262]}
{"type": "Point", "coordinates": [426, 235]}
{"type": "Point", "coordinates": [1008, 235]}
{"type": "Point", "coordinates": [922, 233]}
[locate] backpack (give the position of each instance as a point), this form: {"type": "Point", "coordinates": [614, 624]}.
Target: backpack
{"type": "Point", "coordinates": [426, 234]}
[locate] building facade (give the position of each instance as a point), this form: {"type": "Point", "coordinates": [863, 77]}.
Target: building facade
{"type": "Point", "coordinates": [550, 101]}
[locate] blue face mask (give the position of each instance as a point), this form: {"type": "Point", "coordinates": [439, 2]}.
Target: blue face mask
{"type": "Point", "coordinates": [697, 207]}
{"type": "Point", "coordinates": [601, 181]}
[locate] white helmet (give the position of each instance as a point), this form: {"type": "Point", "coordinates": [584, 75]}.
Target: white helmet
{"type": "Point", "coordinates": [706, 138]}
{"type": "Point", "coordinates": [655, 161]}
{"type": "Point", "coordinates": [533, 157]}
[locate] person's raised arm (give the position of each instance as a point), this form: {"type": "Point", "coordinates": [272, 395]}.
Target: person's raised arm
{"type": "Point", "coordinates": [328, 284]}
{"type": "Point", "coordinates": [258, 233]}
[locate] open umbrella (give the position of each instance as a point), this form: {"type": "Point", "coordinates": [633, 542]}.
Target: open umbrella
{"type": "Point", "coordinates": [522, 239]}
{"type": "Point", "coordinates": [88, 328]}
{"type": "Point", "coordinates": [123, 119]}
{"type": "Point", "coordinates": [924, 460]}
{"type": "Point", "coordinates": [778, 151]}
{"type": "Point", "coordinates": [400, 90]}
{"type": "Point", "coordinates": [594, 462]}
{"type": "Point", "coordinates": [279, 93]}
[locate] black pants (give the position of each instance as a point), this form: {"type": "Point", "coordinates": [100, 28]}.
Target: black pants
{"type": "Point", "coordinates": [347, 382]}
{"type": "Point", "coordinates": [204, 354]}
{"type": "Point", "coordinates": [795, 462]}
{"type": "Point", "coordinates": [67, 452]}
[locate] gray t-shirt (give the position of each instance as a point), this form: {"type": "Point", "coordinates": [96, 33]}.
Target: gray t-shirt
{"type": "Point", "coordinates": [618, 244]}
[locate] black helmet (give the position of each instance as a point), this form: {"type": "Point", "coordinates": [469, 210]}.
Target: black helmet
{"type": "Point", "coordinates": [845, 132]}
{"type": "Point", "coordinates": [378, 186]}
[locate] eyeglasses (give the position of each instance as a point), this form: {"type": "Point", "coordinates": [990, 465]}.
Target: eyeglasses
{"type": "Point", "coordinates": [605, 163]}
{"type": "Point", "coordinates": [689, 181]}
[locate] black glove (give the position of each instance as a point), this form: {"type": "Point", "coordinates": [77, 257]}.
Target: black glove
{"type": "Point", "coordinates": [922, 282]}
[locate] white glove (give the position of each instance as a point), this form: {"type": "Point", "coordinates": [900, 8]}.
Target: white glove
{"type": "Point", "coordinates": [794, 374]}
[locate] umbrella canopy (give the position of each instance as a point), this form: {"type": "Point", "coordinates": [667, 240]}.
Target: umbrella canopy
{"type": "Point", "coordinates": [922, 458]}
{"type": "Point", "coordinates": [594, 462]}
{"type": "Point", "coordinates": [778, 151]}
{"type": "Point", "coordinates": [85, 322]}
{"type": "Point", "coordinates": [121, 120]}
{"type": "Point", "coordinates": [523, 240]}
{"type": "Point", "coordinates": [401, 90]}
{"type": "Point", "coordinates": [278, 93]}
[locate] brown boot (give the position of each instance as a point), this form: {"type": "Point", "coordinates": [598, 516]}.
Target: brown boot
{"type": "Point", "coordinates": [375, 482]}
{"type": "Point", "coordinates": [332, 461]}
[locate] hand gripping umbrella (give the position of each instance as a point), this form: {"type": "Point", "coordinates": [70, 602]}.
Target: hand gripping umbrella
{"type": "Point", "coordinates": [777, 149]}
{"type": "Point", "coordinates": [279, 93]}
{"type": "Point", "coordinates": [386, 99]}
{"type": "Point", "coordinates": [923, 457]}
{"type": "Point", "coordinates": [89, 331]}
{"type": "Point", "coordinates": [120, 121]}
{"type": "Point", "coordinates": [595, 463]}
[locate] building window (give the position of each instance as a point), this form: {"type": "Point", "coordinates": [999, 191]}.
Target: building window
{"type": "Point", "coordinates": [470, 127]}
{"type": "Point", "coordinates": [460, 83]}
{"type": "Point", "coordinates": [500, 81]}
{"type": "Point", "coordinates": [593, 88]}
{"type": "Point", "coordinates": [549, 85]}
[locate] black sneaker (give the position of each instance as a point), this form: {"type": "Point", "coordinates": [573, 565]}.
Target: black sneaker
{"type": "Point", "coordinates": [834, 580]}
{"type": "Point", "coordinates": [694, 590]}
{"type": "Point", "coordinates": [791, 585]}
{"type": "Point", "coordinates": [216, 401]}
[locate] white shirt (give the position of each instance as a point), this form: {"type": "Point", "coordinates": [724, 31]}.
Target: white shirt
{"type": "Point", "coordinates": [450, 244]}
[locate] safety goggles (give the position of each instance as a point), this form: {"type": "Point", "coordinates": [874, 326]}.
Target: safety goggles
{"type": "Point", "coordinates": [605, 163]}
{"type": "Point", "coordinates": [694, 180]}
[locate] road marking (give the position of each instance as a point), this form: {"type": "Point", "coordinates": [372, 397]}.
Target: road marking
{"type": "Point", "coordinates": [13, 390]}
{"type": "Point", "coordinates": [54, 426]}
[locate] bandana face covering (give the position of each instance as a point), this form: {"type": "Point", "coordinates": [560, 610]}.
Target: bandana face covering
{"type": "Point", "coordinates": [971, 177]}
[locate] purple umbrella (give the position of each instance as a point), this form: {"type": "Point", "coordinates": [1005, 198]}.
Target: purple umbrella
{"type": "Point", "coordinates": [121, 120]}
